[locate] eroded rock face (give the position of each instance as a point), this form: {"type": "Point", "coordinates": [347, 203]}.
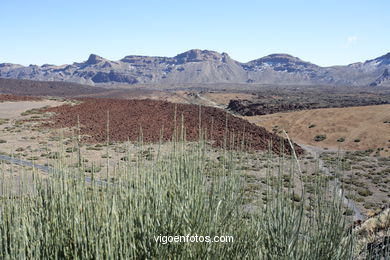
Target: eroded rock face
{"type": "Point", "coordinates": [112, 76]}
{"type": "Point", "coordinates": [94, 59]}
{"type": "Point", "coordinates": [200, 56]}
{"type": "Point", "coordinates": [384, 78]}
{"type": "Point", "coordinates": [204, 66]}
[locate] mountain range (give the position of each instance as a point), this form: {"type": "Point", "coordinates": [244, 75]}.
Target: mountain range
{"type": "Point", "coordinates": [204, 66]}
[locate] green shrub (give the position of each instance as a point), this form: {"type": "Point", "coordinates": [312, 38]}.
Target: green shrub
{"type": "Point", "coordinates": [295, 197]}
{"type": "Point", "coordinates": [71, 149]}
{"type": "Point", "coordinates": [364, 192]}
{"type": "Point", "coordinates": [3, 121]}
{"type": "Point", "coordinates": [319, 138]}
{"type": "Point", "coordinates": [125, 158]}
{"type": "Point", "coordinates": [33, 111]}
{"type": "Point", "coordinates": [341, 139]}
{"type": "Point", "coordinates": [53, 155]}
{"type": "Point", "coordinates": [69, 218]}
{"type": "Point", "coordinates": [348, 212]}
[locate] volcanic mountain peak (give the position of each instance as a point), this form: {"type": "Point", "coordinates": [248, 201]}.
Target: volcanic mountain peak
{"type": "Point", "coordinates": [280, 62]}
{"type": "Point", "coordinates": [280, 55]}
{"type": "Point", "coordinates": [197, 55]}
{"type": "Point", "coordinates": [383, 79]}
{"type": "Point", "coordinates": [281, 58]}
{"type": "Point", "coordinates": [382, 60]}
{"type": "Point", "coordinates": [94, 59]}
{"type": "Point", "coordinates": [205, 66]}
{"type": "Point", "coordinates": [384, 57]}
{"type": "Point", "coordinates": [3, 65]}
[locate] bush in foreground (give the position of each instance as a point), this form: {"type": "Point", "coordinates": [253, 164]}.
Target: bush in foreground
{"type": "Point", "coordinates": [67, 217]}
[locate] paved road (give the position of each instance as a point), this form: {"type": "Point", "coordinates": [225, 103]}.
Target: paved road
{"type": "Point", "coordinates": [316, 152]}
{"type": "Point", "coordinates": [20, 162]}
{"type": "Point", "coordinates": [45, 169]}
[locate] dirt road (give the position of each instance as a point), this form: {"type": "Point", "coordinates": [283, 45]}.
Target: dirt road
{"type": "Point", "coordinates": [316, 153]}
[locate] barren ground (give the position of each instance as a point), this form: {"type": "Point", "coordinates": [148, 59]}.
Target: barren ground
{"type": "Point", "coordinates": [25, 140]}
{"type": "Point", "coordinates": [12, 110]}
{"type": "Point", "coordinates": [361, 127]}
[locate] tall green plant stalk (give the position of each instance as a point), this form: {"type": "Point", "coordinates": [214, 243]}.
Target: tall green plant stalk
{"type": "Point", "coordinates": [67, 217]}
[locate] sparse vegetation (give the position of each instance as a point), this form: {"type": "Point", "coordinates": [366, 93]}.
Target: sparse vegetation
{"type": "Point", "coordinates": [69, 216]}
{"type": "Point", "coordinates": [265, 217]}
{"type": "Point", "coordinates": [3, 121]}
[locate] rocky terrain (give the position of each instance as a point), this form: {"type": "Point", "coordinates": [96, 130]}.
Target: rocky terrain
{"type": "Point", "coordinates": [4, 98]}
{"type": "Point", "coordinates": [269, 101]}
{"type": "Point", "coordinates": [204, 66]}
{"type": "Point", "coordinates": [155, 121]}
{"type": "Point", "coordinates": [45, 88]}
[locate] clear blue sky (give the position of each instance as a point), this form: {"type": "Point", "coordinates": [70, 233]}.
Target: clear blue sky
{"type": "Point", "coordinates": [332, 32]}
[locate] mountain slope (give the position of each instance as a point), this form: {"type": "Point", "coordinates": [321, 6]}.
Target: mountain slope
{"type": "Point", "coordinates": [204, 66]}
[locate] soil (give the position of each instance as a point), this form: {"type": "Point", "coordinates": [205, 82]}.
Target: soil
{"type": "Point", "coordinates": [45, 88]}
{"type": "Point", "coordinates": [155, 121]}
{"type": "Point", "coordinates": [17, 98]}
{"type": "Point", "coordinates": [352, 128]}
{"type": "Point", "coordinates": [13, 109]}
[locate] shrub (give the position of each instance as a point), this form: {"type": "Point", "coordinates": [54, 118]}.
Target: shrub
{"type": "Point", "coordinates": [348, 212]}
{"type": "Point", "coordinates": [319, 138]}
{"type": "Point", "coordinates": [364, 192]}
{"type": "Point", "coordinates": [295, 197]}
{"type": "Point", "coordinates": [3, 121]}
{"type": "Point", "coordinates": [70, 218]}
{"type": "Point", "coordinates": [341, 139]}
{"type": "Point", "coordinates": [124, 158]}
{"type": "Point", "coordinates": [33, 111]}
{"type": "Point", "coordinates": [71, 149]}
{"type": "Point", "coordinates": [53, 155]}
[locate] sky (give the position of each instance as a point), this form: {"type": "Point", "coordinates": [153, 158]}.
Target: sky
{"type": "Point", "coordinates": [331, 32]}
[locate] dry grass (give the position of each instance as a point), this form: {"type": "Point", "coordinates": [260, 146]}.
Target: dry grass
{"type": "Point", "coordinates": [365, 124]}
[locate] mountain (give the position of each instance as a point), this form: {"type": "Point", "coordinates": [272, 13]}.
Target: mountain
{"type": "Point", "coordinates": [204, 66]}
{"type": "Point", "coordinates": [384, 79]}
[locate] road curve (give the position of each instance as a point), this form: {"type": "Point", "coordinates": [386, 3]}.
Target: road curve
{"type": "Point", "coordinates": [43, 168]}
{"type": "Point", "coordinates": [316, 152]}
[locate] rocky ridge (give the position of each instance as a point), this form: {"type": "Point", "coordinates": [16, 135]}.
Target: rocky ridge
{"type": "Point", "coordinates": [204, 66]}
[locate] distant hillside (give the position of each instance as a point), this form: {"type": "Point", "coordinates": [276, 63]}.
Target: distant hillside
{"type": "Point", "coordinates": [44, 88]}
{"type": "Point", "coordinates": [204, 66]}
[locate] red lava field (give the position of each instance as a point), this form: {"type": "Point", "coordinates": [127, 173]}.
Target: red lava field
{"type": "Point", "coordinates": [127, 117]}
{"type": "Point", "coordinates": [4, 97]}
